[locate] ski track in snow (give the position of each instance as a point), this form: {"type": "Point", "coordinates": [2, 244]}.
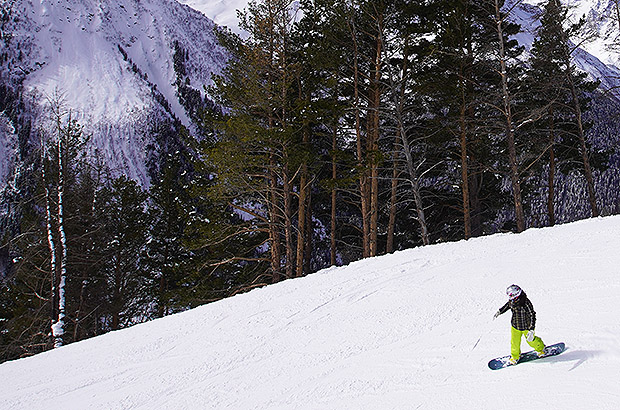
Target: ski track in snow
{"type": "Point", "coordinates": [404, 331]}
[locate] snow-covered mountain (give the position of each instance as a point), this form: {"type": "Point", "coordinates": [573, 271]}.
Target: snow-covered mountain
{"type": "Point", "coordinates": [410, 330]}
{"type": "Point", "coordinates": [112, 64]}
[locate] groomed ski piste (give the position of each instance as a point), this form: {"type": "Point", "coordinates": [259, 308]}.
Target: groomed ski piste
{"type": "Point", "coordinates": [411, 330]}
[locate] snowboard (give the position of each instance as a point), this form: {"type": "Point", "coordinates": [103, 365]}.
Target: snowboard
{"type": "Point", "coordinates": [550, 350]}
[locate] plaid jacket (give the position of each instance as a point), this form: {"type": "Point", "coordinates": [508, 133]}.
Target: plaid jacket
{"type": "Point", "coordinates": [523, 314]}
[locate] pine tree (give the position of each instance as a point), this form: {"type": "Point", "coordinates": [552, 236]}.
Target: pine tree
{"type": "Point", "coordinates": [547, 94]}
{"type": "Point", "coordinates": [121, 243]}
{"type": "Point", "coordinates": [503, 30]}
{"type": "Point", "coordinates": [261, 129]}
{"type": "Point", "coordinates": [316, 110]}
{"type": "Point", "coordinates": [463, 79]}
{"type": "Point", "coordinates": [167, 254]}
{"type": "Point", "coordinates": [45, 277]}
{"type": "Point", "coordinates": [24, 296]}
{"type": "Point", "coordinates": [560, 90]}
{"type": "Point", "coordinates": [323, 51]}
{"type": "Point", "coordinates": [410, 106]}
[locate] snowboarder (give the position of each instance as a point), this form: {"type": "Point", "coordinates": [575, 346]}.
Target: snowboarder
{"type": "Point", "coordinates": [523, 323]}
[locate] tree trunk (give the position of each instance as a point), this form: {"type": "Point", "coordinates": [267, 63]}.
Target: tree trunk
{"type": "Point", "coordinates": [415, 184]}
{"type": "Point", "coordinates": [301, 227]}
{"type": "Point", "coordinates": [78, 312]}
{"type": "Point", "coordinates": [363, 175]}
{"type": "Point", "coordinates": [475, 205]}
{"type": "Point", "coordinates": [406, 148]}
{"type": "Point", "coordinates": [116, 296]}
{"type": "Point", "coordinates": [389, 247]}
{"type": "Point", "coordinates": [163, 281]}
{"type": "Point", "coordinates": [309, 230]}
{"type": "Point", "coordinates": [373, 134]}
{"type": "Point", "coordinates": [273, 92]}
{"type": "Point", "coordinates": [274, 220]}
{"type": "Point", "coordinates": [464, 170]}
{"type": "Point", "coordinates": [334, 198]}
{"type": "Point", "coordinates": [583, 149]}
{"type": "Point", "coordinates": [301, 220]}
{"type": "Point", "coordinates": [288, 224]}
{"type": "Point", "coordinates": [58, 328]}
{"type": "Point", "coordinates": [50, 239]}
{"type": "Point", "coordinates": [465, 74]}
{"type": "Point", "coordinates": [551, 179]}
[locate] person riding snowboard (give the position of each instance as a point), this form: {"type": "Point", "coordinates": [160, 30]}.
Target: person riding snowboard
{"type": "Point", "coordinates": [523, 323]}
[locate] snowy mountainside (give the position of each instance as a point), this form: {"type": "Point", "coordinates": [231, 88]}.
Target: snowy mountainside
{"type": "Point", "coordinates": [409, 330]}
{"type": "Point", "coordinates": [109, 61]}
{"type": "Point", "coordinates": [222, 12]}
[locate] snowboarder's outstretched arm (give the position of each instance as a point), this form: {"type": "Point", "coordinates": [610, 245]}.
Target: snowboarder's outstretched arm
{"type": "Point", "coordinates": [502, 310]}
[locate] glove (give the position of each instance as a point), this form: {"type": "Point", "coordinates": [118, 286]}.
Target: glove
{"type": "Point", "coordinates": [496, 315]}
{"type": "Point", "coordinates": [529, 336]}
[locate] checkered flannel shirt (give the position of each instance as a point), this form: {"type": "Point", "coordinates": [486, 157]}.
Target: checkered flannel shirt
{"type": "Point", "coordinates": [523, 314]}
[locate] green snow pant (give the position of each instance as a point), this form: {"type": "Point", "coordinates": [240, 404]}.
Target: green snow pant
{"type": "Point", "coordinates": [515, 342]}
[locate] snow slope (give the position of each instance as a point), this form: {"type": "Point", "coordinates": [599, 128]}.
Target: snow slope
{"type": "Point", "coordinates": [601, 18]}
{"type": "Point", "coordinates": [410, 330]}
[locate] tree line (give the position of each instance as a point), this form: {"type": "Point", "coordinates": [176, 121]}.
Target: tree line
{"type": "Point", "coordinates": [408, 122]}
{"type": "Point", "coordinates": [339, 130]}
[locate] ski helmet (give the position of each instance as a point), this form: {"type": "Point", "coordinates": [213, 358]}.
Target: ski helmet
{"type": "Point", "coordinates": [513, 292]}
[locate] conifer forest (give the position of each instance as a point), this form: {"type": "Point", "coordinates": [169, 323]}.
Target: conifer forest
{"type": "Point", "coordinates": [338, 130]}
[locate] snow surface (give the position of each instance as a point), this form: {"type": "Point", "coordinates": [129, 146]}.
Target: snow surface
{"type": "Point", "coordinates": [411, 330]}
